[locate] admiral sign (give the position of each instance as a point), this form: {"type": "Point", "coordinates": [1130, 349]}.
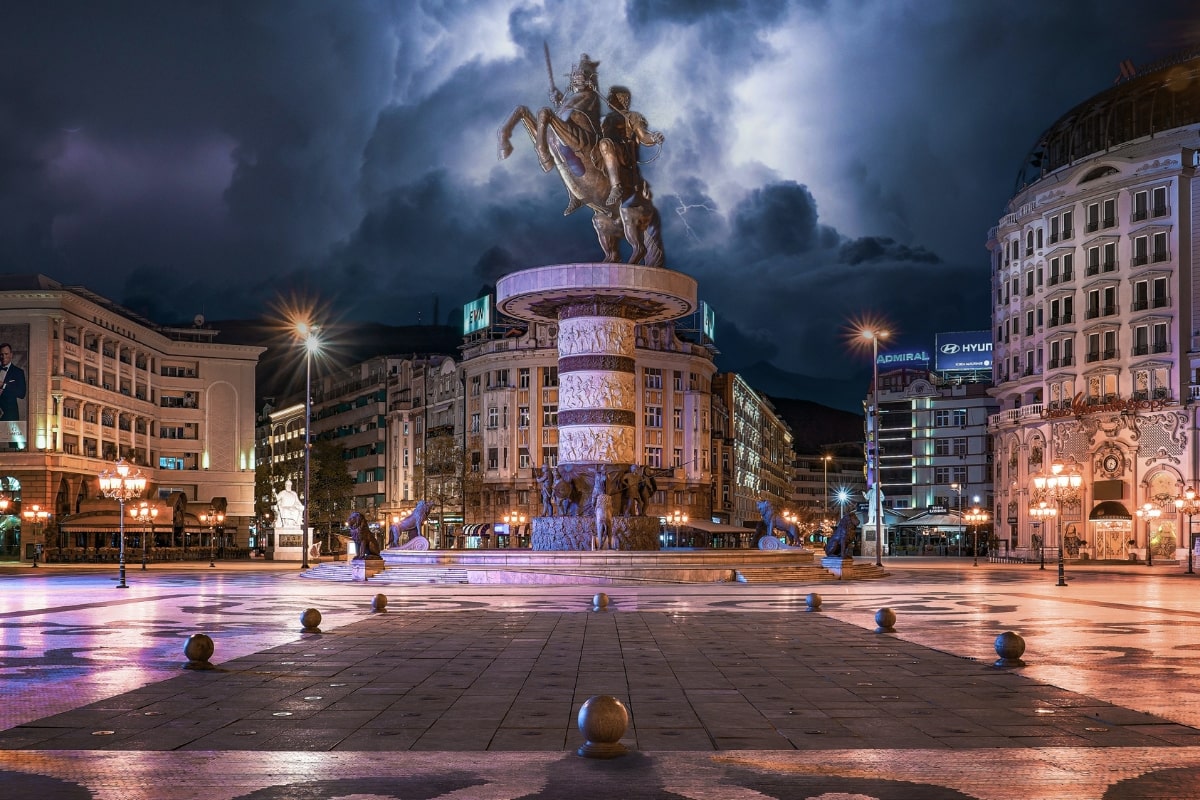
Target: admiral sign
{"type": "Point", "coordinates": [903, 358]}
{"type": "Point", "coordinates": [969, 350]}
{"type": "Point", "coordinates": [477, 315]}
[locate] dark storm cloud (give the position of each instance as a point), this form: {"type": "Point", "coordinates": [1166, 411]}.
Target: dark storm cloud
{"type": "Point", "coordinates": [823, 160]}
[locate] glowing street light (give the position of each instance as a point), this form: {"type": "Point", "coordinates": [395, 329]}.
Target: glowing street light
{"type": "Point", "coordinates": [514, 520]}
{"type": "Point", "coordinates": [212, 519]}
{"type": "Point", "coordinates": [122, 483]}
{"type": "Point", "coordinates": [38, 517]}
{"type": "Point", "coordinates": [144, 513]}
{"type": "Point", "coordinates": [1062, 484]}
{"type": "Point", "coordinates": [873, 335]}
{"type": "Point", "coordinates": [1187, 503]}
{"type": "Point", "coordinates": [678, 519]}
{"type": "Point", "coordinates": [976, 517]}
{"type": "Point", "coordinates": [1149, 512]}
{"type": "Point", "coordinates": [309, 336]}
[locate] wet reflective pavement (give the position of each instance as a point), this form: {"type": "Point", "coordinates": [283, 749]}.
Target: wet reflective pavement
{"type": "Point", "coordinates": [734, 691]}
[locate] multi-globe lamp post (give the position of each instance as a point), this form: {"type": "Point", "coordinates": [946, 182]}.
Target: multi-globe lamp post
{"type": "Point", "coordinates": [145, 514]}
{"type": "Point", "coordinates": [122, 483]}
{"type": "Point", "coordinates": [37, 517]}
{"type": "Point", "coordinates": [212, 519]}
{"type": "Point", "coordinates": [1061, 485]}
{"type": "Point", "coordinates": [1149, 512]}
{"type": "Point", "coordinates": [514, 520]}
{"type": "Point", "coordinates": [1188, 504]}
{"type": "Point", "coordinates": [309, 336]}
{"type": "Point", "coordinates": [976, 517]}
{"type": "Point", "coordinates": [873, 335]}
{"type": "Point", "coordinates": [677, 519]}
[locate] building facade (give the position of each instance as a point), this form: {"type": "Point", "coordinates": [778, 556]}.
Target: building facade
{"type": "Point", "coordinates": [756, 455]}
{"type": "Point", "coordinates": [102, 383]}
{"type": "Point", "coordinates": [1095, 317]}
{"type": "Point", "coordinates": [510, 377]}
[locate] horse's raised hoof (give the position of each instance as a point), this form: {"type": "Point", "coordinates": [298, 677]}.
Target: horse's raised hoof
{"type": "Point", "coordinates": [573, 205]}
{"type": "Point", "coordinates": [506, 150]}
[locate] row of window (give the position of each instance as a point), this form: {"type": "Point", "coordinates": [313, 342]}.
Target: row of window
{"type": "Point", "coordinates": [1151, 248]}
{"type": "Point", "coordinates": [1146, 339]}
{"type": "Point", "coordinates": [1101, 302]}
{"type": "Point", "coordinates": [1100, 215]}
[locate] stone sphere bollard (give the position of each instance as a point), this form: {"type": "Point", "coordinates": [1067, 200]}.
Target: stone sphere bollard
{"type": "Point", "coordinates": [602, 720]}
{"type": "Point", "coordinates": [379, 603]}
{"type": "Point", "coordinates": [813, 601]}
{"type": "Point", "coordinates": [198, 649]}
{"type": "Point", "coordinates": [885, 618]}
{"type": "Point", "coordinates": [311, 620]}
{"type": "Point", "coordinates": [1010, 647]}
{"type": "Point", "coordinates": [599, 601]}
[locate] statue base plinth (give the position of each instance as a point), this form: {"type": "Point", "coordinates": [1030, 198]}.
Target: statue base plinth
{"type": "Point", "coordinates": [363, 569]}
{"type": "Point", "coordinates": [837, 565]}
{"type": "Point", "coordinates": [575, 533]}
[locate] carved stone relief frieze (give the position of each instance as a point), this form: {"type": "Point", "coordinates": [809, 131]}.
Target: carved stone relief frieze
{"type": "Point", "coordinates": [587, 335]}
{"type": "Point", "coordinates": [596, 444]}
{"type": "Point", "coordinates": [577, 390]}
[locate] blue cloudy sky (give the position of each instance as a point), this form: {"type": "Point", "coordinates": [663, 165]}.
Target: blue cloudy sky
{"type": "Point", "coordinates": [824, 160]}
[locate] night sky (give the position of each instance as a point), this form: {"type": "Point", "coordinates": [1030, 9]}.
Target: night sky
{"type": "Point", "coordinates": [825, 161]}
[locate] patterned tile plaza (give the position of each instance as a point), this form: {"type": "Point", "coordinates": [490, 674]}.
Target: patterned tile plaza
{"type": "Point", "coordinates": [734, 691]}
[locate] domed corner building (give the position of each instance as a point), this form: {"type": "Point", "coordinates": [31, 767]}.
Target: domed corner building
{"type": "Point", "coordinates": [1096, 314]}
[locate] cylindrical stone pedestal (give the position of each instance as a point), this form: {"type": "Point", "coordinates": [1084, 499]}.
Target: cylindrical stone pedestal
{"type": "Point", "coordinates": [596, 307]}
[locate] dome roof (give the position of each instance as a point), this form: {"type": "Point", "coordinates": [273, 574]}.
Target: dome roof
{"type": "Point", "coordinates": [1159, 97]}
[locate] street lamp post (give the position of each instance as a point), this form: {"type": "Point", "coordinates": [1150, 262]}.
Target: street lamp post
{"type": "Point", "coordinates": [677, 518]}
{"type": "Point", "coordinates": [310, 336]}
{"type": "Point", "coordinates": [122, 483]}
{"type": "Point", "coordinates": [37, 516]}
{"type": "Point", "coordinates": [212, 519]}
{"type": "Point", "coordinates": [1062, 484]}
{"type": "Point", "coordinates": [873, 336]}
{"type": "Point", "coordinates": [1042, 512]}
{"type": "Point", "coordinates": [144, 513]}
{"type": "Point", "coordinates": [976, 517]}
{"type": "Point", "coordinates": [513, 518]}
{"type": "Point", "coordinates": [825, 459]}
{"type": "Point", "coordinates": [1187, 503]}
{"type": "Point", "coordinates": [1149, 512]}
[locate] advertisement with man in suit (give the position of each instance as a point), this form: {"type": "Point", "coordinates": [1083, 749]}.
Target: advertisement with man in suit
{"type": "Point", "coordinates": [14, 348]}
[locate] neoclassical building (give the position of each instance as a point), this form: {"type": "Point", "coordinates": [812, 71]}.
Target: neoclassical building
{"type": "Point", "coordinates": [1097, 322]}
{"type": "Point", "coordinates": [103, 383]}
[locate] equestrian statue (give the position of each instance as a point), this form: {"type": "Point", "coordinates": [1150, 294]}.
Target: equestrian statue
{"type": "Point", "coordinates": [597, 159]}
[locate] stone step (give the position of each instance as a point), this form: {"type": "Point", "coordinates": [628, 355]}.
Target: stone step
{"type": "Point", "coordinates": [789, 574]}
{"type": "Point", "coordinates": [340, 571]}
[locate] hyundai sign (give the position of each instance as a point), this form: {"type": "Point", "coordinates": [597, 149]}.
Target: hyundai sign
{"type": "Point", "coordinates": [477, 315]}
{"type": "Point", "coordinates": [969, 350]}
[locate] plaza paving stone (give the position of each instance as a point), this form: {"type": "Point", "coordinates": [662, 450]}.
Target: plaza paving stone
{"type": "Point", "coordinates": [734, 691]}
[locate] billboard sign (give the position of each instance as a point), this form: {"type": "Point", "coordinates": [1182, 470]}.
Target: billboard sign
{"type": "Point", "coordinates": [477, 315]}
{"type": "Point", "coordinates": [709, 320]}
{"type": "Point", "coordinates": [965, 350]}
{"type": "Point", "coordinates": [14, 357]}
{"type": "Point", "coordinates": [903, 358]}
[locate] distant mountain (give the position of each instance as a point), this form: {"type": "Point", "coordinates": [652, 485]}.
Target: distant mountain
{"type": "Point", "coordinates": [820, 429]}
{"type": "Point", "coordinates": [770, 380]}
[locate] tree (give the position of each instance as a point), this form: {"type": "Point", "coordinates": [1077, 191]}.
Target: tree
{"type": "Point", "coordinates": [331, 488]}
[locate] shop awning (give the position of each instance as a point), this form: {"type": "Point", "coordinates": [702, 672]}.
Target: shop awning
{"type": "Point", "coordinates": [1109, 509]}
{"type": "Point", "coordinates": [477, 529]}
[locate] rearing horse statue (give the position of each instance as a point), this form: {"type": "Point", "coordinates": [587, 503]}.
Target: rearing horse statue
{"type": "Point", "coordinates": [593, 158]}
